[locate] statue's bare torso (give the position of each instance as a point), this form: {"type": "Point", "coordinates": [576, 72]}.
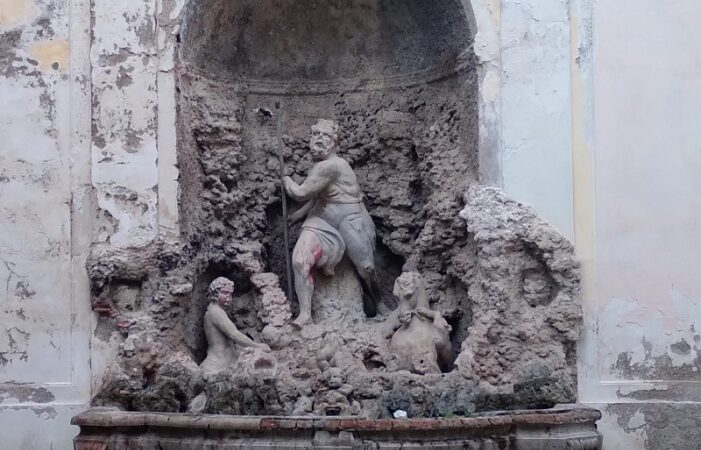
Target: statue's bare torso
{"type": "Point", "coordinates": [330, 181]}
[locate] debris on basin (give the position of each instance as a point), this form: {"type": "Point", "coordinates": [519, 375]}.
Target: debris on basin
{"type": "Point", "coordinates": [399, 414]}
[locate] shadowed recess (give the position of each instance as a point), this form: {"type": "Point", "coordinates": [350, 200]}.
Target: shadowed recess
{"type": "Point", "coordinates": [285, 40]}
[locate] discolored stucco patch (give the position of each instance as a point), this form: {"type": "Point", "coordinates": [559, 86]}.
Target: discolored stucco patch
{"type": "Point", "coordinates": [124, 77]}
{"type": "Point", "coordinates": [44, 412]}
{"type": "Point", "coordinates": [660, 367]}
{"type": "Point", "coordinates": [50, 55]}
{"type": "Point", "coordinates": [15, 12]}
{"type": "Point", "coordinates": [667, 392]}
{"type": "Point", "coordinates": [681, 348]}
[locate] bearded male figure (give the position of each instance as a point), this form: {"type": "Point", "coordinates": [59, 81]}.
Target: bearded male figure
{"type": "Point", "coordinates": [335, 222]}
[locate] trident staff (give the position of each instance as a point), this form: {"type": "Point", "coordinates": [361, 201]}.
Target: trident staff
{"type": "Point", "coordinates": [266, 114]}
{"type": "Point", "coordinates": [283, 197]}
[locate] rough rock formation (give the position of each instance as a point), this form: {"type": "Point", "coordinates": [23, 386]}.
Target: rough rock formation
{"type": "Point", "coordinates": [518, 353]}
{"type": "Point", "coordinates": [504, 281]}
{"type": "Point", "coordinates": [525, 303]}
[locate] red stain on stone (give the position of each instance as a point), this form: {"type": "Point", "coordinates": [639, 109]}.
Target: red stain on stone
{"type": "Point", "coordinates": [318, 253]}
{"type": "Point", "coordinates": [374, 425]}
{"type": "Point", "coordinates": [268, 424]}
{"type": "Point", "coordinates": [89, 444]}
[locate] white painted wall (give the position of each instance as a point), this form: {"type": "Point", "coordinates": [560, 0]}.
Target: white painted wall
{"type": "Point", "coordinates": [647, 78]}
{"type": "Point", "coordinates": [536, 107]}
{"type": "Point", "coordinates": [599, 124]}
{"type": "Point", "coordinates": [44, 231]}
{"type": "Point", "coordinates": [643, 240]}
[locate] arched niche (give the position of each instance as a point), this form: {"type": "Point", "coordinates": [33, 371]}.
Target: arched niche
{"type": "Point", "coordinates": [401, 78]}
{"type": "Point", "coordinates": [287, 42]}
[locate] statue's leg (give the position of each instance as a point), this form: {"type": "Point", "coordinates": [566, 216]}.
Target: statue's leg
{"type": "Point", "coordinates": [446, 357]}
{"type": "Point", "coordinates": [303, 260]}
{"type": "Point", "coordinates": [360, 248]}
{"type": "Point", "coordinates": [371, 287]}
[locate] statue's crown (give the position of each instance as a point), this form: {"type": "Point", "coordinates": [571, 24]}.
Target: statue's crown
{"type": "Point", "coordinates": [328, 125]}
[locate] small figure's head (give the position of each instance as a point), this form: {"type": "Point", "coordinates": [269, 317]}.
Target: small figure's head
{"type": "Point", "coordinates": [304, 404]}
{"type": "Point", "coordinates": [324, 139]}
{"type": "Point", "coordinates": [220, 291]}
{"type": "Point", "coordinates": [334, 377]}
{"type": "Point", "coordinates": [410, 290]}
{"type": "Point", "coordinates": [537, 288]}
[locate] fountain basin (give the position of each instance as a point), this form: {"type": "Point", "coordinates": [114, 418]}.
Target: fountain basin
{"type": "Point", "coordinates": [111, 429]}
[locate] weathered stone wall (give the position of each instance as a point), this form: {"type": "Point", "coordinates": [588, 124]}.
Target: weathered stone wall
{"type": "Point", "coordinates": [421, 128]}
{"type": "Point", "coordinates": [420, 135]}
{"type": "Point", "coordinates": [418, 124]}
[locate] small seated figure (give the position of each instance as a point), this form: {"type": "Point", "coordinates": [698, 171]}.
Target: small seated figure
{"type": "Point", "coordinates": [222, 335]}
{"type": "Point", "coordinates": [421, 344]}
{"type": "Point", "coordinates": [333, 400]}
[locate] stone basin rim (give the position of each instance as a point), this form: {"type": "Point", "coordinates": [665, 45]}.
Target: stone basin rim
{"type": "Point", "coordinates": [107, 417]}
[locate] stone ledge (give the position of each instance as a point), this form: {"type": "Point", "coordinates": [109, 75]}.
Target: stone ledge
{"type": "Point", "coordinates": [110, 429]}
{"type": "Point", "coordinates": [101, 417]}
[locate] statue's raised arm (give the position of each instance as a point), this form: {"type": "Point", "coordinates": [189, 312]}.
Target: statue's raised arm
{"type": "Point", "coordinates": [318, 180]}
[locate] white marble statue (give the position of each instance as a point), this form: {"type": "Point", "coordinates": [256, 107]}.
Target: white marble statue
{"type": "Point", "coordinates": [422, 341]}
{"type": "Point", "coordinates": [222, 335]}
{"type": "Point", "coordinates": [335, 222]}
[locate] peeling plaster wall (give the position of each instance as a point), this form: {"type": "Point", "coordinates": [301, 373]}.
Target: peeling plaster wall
{"type": "Point", "coordinates": [124, 138]}
{"type": "Point", "coordinates": [133, 158]}
{"type": "Point", "coordinates": [648, 191]}
{"type": "Point", "coordinates": [636, 80]}
{"type": "Point", "coordinates": [133, 102]}
{"type": "Point", "coordinates": [44, 233]}
{"type": "Point", "coordinates": [485, 17]}
{"type": "Point", "coordinates": [525, 109]}
{"type": "Point", "coordinates": [125, 123]}
{"type": "Point", "coordinates": [80, 129]}
{"type": "Point", "coordinates": [596, 115]}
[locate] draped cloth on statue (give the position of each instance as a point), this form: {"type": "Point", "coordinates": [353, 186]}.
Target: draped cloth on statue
{"type": "Point", "coordinates": [328, 244]}
{"type": "Point", "coordinates": [355, 226]}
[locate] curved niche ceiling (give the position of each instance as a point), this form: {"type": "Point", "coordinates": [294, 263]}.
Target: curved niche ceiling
{"type": "Point", "coordinates": [321, 41]}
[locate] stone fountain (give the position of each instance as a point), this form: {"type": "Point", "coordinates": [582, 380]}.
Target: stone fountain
{"type": "Point", "coordinates": [341, 279]}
